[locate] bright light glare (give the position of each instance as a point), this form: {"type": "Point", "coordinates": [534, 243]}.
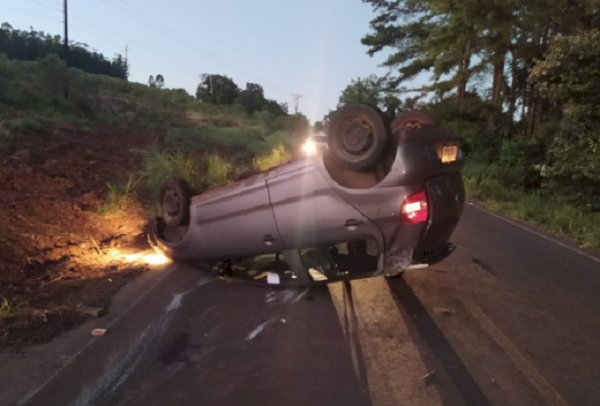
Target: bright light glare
{"type": "Point", "coordinates": [147, 257]}
{"type": "Point", "coordinates": [156, 258]}
{"type": "Point", "coordinates": [411, 207]}
{"type": "Point", "coordinates": [309, 147]}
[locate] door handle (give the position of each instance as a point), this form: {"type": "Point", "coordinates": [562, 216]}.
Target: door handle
{"type": "Point", "coordinates": [269, 240]}
{"type": "Point", "coordinates": [352, 224]}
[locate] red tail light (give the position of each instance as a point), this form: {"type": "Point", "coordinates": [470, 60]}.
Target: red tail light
{"type": "Point", "coordinates": [414, 208]}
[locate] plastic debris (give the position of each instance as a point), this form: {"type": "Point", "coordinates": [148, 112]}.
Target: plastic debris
{"type": "Point", "coordinates": [273, 278]}
{"type": "Point", "coordinates": [97, 332]}
{"type": "Point", "coordinates": [92, 311]}
{"type": "Point", "coordinates": [429, 377]}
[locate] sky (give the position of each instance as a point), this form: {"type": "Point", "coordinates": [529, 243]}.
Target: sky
{"type": "Point", "coordinates": [306, 47]}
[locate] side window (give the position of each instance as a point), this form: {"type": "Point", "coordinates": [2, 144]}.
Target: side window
{"type": "Point", "coordinates": [345, 260]}
{"type": "Point", "coordinates": [325, 263]}
{"type": "Point", "coordinates": [270, 269]}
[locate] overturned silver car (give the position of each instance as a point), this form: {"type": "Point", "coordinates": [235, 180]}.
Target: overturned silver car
{"type": "Point", "coordinates": [382, 197]}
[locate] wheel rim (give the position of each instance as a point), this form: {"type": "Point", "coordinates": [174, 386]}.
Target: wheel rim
{"type": "Point", "coordinates": [171, 203]}
{"type": "Point", "coordinates": [356, 136]}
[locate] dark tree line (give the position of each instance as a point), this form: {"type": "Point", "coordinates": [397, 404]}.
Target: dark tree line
{"type": "Point", "coordinates": [518, 79]}
{"type": "Point", "coordinates": [220, 89]}
{"type": "Point", "coordinates": [33, 45]}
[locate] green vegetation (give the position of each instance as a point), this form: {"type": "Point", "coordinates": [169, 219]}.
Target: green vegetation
{"type": "Point", "coordinates": [518, 82]}
{"type": "Point", "coordinates": [120, 197]}
{"type": "Point", "coordinates": [32, 45]}
{"type": "Point", "coordinates": [159, 166]}
{"type": "Point", "coordinates": [486, 183]}
{"type": "Point", "coordinates": [218, 170]}
{"type": "Point", "coordinates": [277, 156]}
{"type": "Point", "coordinates": [208, 141]}
{"type": "Point", "coordinates": [6, 308]}
{"type": "Point", "coordinates": [220, 89]}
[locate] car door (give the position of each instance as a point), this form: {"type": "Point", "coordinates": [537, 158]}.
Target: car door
{"type": "Point", "coordinates": [237, 221]}
{"type": "Point", "coordinates": [308, 212]}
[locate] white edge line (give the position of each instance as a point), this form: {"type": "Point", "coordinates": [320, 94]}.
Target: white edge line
{"type": "Point", "coordinates": [545, 237]}
{"type": "Point", "coordinates": [31, 394]}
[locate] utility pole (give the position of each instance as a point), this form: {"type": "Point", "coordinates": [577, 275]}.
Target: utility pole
{"type": "Point", "coordinates": [297, 98]}
{"type": "Point", "coordinates": [66, 20]}
{"type": "Point", "coordinates": [66, 51]}
{"type": "Point", "coordinates": [126, 61]}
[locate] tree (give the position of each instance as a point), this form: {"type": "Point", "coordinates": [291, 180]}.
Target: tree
{"type": "Point", "coordinates": [278, 109]}
{"type": "Point", "coordinates": [159, 81]}
{"type": "Point", "coordinates": [366, 90]}
{"type": "Point", "coordinates": [252, 98]}
{"type": "Point", "coordinates": [568, 77]}
{"type": "Point", "coordinates": [33, 45]}
{"type": "Point", "coordinates": [370, 90]}
{"type": "Point", "coordinates": [217, 89]}
{"type": "Point", "coordinates": [439, 37]}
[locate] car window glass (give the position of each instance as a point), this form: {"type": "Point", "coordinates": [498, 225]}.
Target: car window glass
{"type": "Point", "coordinates": [348, 258]}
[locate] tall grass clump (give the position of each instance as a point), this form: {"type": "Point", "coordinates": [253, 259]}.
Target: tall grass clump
{"type": "Point", "coordinates": [120, 196]}
{"type": "Point", "coordinates": [217, 170]}
{"type": "Point", "coordinates": [6, 308]}
{"type": "Point", "coordinates": [159, 166]}
{"type": "Point", "coordinates": [277, 156]}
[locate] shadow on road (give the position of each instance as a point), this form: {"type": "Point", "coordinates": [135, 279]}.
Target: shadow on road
{"type": "Point", "coordinates": [352, 320]}
{"type": "Point", "coordinates": [430, 333]}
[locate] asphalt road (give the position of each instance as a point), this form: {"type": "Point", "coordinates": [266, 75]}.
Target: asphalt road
{"type": "Point", "coordinates": [510, 318]}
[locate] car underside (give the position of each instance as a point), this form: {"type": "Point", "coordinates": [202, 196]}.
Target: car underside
{"type": "Point", "coordinates": [381, 198]}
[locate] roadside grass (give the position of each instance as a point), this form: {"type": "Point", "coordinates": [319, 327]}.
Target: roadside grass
{"type": "Point", "coordinates": [159, 166]}
{"type": "Point", "coordinates": [209, 138]}
{"type": "Point", "coordinates": [120, 197]}
{"type": "Point", "coordinates": [6, 308]}
{"type": "Point", "coordinates": [549, 212]}
{"type": "Point", "coordinates": [277, 156]}
{"type": "Point", "coordinates": [218, 170]}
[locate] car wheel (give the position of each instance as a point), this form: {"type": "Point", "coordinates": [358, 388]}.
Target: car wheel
{"type": "Point", "coordinates": [174, 198]}
{"type": "Point", "coordinates": [357, 136]}
{"type": "Point", "coordinates": [411, 119]}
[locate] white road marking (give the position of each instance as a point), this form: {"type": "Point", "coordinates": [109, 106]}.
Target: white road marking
{"type": "Point", "coordinates": [175, 302]}
{"type": "Point", "coordinates": [545, 237]}
{"type": "Point", "coordinates": [259, 329]}
{"type": "Point", "coordinates": [73, 357]}
{"type": "Point", "coordinates": [178, 297]}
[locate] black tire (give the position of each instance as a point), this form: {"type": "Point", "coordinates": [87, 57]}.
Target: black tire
{"type": "Point", "coordinates": [411, 119]}
{"type": "Point", "coordinates": [357, 136]}
{"type": "Point", "coordinates": [175, 197]}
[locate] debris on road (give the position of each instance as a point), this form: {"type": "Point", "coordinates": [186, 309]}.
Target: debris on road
{"type": "Point", "coordinates": [97, 332]}
{"type": "Point", "coordinates": [92, 311]}
{"type": "Point", "coordinates": [273, 278]}
{"type": "Point", "coordinates": [429, 377]}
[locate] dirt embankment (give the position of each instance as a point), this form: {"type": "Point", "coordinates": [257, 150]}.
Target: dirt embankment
{"type": "Point", "coordinates": [60, 259]}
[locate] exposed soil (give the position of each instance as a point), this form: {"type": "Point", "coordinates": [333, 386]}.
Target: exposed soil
{"type": "Point", "coordinates": [58, 255]}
